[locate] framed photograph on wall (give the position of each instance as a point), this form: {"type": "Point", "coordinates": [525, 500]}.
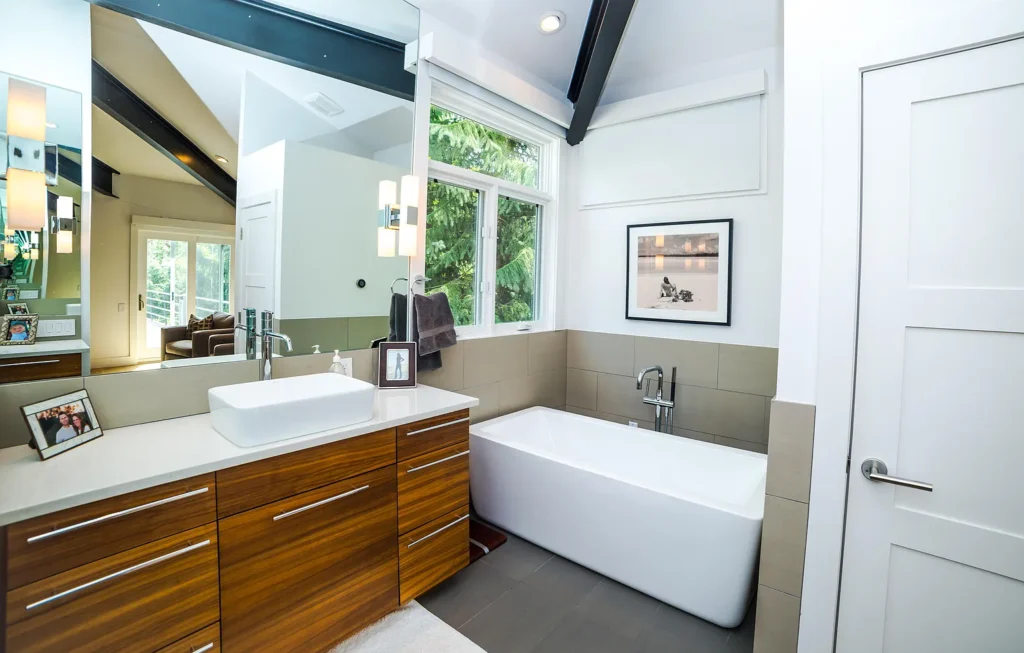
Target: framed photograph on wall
{"type": "Point", "coordinates": [680, 272]}
{"type": "Point", "coordinates": [396, 366]}
{"type": "Point", "coordinates": [18, 329]}
{"type": "Point", "coordinates": [61, 423]}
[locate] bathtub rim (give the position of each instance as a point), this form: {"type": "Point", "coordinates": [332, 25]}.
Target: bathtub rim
{"type": "Point", "coordinates": [752, 510]}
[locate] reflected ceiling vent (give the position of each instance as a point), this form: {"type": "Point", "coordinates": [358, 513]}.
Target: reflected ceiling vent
{"type": "Point", "coordinates": [324, 105]}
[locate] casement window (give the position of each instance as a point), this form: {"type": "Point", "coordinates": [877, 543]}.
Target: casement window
{"type": "Point", "coordinates": [490, 217]}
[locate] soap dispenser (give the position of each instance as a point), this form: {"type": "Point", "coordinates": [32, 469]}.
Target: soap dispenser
{"type": "Point", "coordinates": [336, 365]}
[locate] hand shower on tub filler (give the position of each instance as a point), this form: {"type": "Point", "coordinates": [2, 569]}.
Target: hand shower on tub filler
{"type": "Point", "coordinates": [663, 408]}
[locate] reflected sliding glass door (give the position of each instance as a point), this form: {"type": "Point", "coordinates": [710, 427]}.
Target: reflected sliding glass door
{"type": "Point", "coordinates": [178, 275]}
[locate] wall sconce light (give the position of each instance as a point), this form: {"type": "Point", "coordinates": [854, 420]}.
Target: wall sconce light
{"type": "Point", "coordinates": [397, 223]}
{"type": "Point", "coordinates": [34, 253]}
{"type": "Point", "coordinates": [64, 225]}
{"type": "Point", "coordinates": [10, 251]}
{"type": "Point", "coordinates": [27, 163]}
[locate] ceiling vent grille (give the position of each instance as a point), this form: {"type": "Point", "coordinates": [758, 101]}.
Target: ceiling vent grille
{"type": "Point", "coordinates": [324, 105]}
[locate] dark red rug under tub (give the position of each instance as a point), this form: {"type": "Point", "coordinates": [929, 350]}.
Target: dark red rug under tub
{"type": "Point", "coordinates": [483, 539]}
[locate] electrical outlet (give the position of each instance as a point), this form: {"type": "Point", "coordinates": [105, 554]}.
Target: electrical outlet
{"type": "Point", "coordinates": [346, 364]}
{"type": "Point", "coordinates": [634, 424]}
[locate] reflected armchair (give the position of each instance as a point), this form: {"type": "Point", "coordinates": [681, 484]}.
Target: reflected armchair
{"type": "Point", "coordinates": [176, 344]}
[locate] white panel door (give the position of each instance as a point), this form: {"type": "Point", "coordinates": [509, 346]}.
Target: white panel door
{"type": "Point", "coordinates": [940, 365]}
{"type": "Point", "coordinates": [257, 246]}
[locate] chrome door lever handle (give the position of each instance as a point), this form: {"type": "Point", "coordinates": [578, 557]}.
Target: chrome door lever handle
{"type": "Point", "coordinates": [875, 470]}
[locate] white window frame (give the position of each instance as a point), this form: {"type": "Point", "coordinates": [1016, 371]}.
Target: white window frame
{"type": "Point", "coordinates": [490, 188]}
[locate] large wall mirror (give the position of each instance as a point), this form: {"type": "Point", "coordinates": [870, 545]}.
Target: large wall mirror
{"type": "Point", "coordinates": [36, 276]}
{"type": "Point", "coordinates": [285, 219]}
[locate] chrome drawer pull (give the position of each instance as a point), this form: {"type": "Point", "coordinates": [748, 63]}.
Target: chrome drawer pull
{"type": "Point", "coordinates": [115, 515]}
{"type": "Point", "coordinates": [320, 503]}
{"type": "Point", "coordinates": [208, 647]}
{"type": "Point", "coordinates": [440, 530]}
{"type": "Point", "coordinates": [439, 426]}
{"type": "Point", "coordinates": [30, 363]}
{"type": "Point", "coordinates": [438, 462]}
{"type": "Point", "coordinates": [118, 574]}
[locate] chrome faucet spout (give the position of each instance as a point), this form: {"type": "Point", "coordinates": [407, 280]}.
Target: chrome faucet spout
{"type": "Point", "coordinates": [268, 337]}
{"type": "Point", "coordinates": [280, 336]}
{"type": "Point", "coordinates": [648, 370]}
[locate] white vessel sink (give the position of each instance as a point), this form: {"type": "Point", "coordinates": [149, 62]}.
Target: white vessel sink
{"type": "Point", "coordinates": [251, 414]}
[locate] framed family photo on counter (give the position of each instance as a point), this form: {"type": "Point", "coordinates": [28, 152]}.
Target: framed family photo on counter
{"type": "Point", "coordinates": [61, 423]}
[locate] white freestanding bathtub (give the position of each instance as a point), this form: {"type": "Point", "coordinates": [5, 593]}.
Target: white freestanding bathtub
{"type": "Point", "coordinates": [677, 519]}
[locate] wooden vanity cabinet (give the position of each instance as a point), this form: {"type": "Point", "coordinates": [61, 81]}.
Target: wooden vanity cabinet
{"type": "Point", "coordinates": [291, 553]}
{"type": "Point", "coordinates": [39, 368]}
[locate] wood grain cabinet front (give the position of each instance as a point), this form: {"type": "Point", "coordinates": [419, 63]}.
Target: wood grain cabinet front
{"type": "Point", "coordinates": [137, 601]}
{"type": "Point", "coordinates": [432, 485]}
{"type": "Point", "coordinates": [38, 368]}
{"type": "Point", "coordinates": [303, 573]}
{"type": "Point", "coordinates": [206, 640]}
{"type": "Point", "coordinates": [256, 484]}
{"type": "Point", "coordinates": [55, 543]}
{"type": "Point", "coordinates": [433, 553]}
{"type": "Point", "coordinates": [432, 434]}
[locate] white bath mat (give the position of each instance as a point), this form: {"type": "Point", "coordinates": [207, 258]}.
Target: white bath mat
{"type": "Point", "coordinates": [410, 629]}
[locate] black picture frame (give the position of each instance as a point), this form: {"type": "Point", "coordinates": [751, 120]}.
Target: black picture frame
{"type": "Point", "coordinates": [45, 435]}
{"type": "Point", "coordinates": [722, 318]}
{"type": "Point", "coordinates": [384, 360]}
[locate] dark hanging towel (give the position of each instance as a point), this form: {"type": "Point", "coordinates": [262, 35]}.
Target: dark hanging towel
{"type": "Point", "coordinates": [397, 318]}
{"type": "Point", "coordinates": [433, 328]}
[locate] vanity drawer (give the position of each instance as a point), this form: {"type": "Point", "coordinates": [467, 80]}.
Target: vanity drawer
{"type": "Point", "coordinates": [433, 553]}
{"type": "Point", "coordinates": [139, 600]}
{"type": "Point", "coordinates": [206, 640]}
{"type": "Point", "coordinates": [432, 434]}
{"type": "Point", "coordinates": [432, 485]}
{"type": "Point", "coordinates": [249, 486]}
{"type": "Point", "coordinates": [48, 545]}
{"type": "Point", "coordinates": [302, 571]}
{"type": "Point", "coordinates": [37, 368]}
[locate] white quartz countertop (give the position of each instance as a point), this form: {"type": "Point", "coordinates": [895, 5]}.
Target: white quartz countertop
{"type": "Point", "coordinates": [137, 457]}
{"type": "Point", "coordinates": [43, 347]}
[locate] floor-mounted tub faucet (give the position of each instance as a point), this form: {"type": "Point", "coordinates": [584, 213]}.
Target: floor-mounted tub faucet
{"type": "Point", "coordinates": [662, 407]}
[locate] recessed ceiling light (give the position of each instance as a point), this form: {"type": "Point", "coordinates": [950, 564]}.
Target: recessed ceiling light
{"type": "Point", "coordinates": [51, 125]}
{"type": "Point", "coordinates": [220, 158]}
{"type": "Point", "coordinates": [551, 22]}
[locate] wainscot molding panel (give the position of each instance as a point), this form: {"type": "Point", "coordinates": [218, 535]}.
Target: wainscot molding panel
{"type": "Point", "coordinates": [640, 161]}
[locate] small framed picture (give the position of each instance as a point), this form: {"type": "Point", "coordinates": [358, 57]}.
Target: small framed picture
{"type": "Point", "coordinates": [11, 293]}
{"type": "Point", "coordinates": [18, 329]}
{"type": "Point", "coordinates": [396, 367]}
{"type": "Point", "coordinates": [17, 308]}
{"type": "Point", "coordinates": [61, 423]}
{"type": "Point", "coordinates": [680, 272]}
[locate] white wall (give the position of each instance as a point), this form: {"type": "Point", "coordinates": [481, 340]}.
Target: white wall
{"type": "Point", "coordinates": [595, 275]}
{"type": "Point", "coordinates": [329, 235]}
{"type": "Point", "coordinates": [828, 44]}
{"type": "Point", "coordinates": [269, 116]}
{"type": "Point", "coordinates": [51, 41]}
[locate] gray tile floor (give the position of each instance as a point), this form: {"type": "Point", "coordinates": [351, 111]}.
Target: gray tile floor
{"type": "Point", "coordinates": [523, 599]}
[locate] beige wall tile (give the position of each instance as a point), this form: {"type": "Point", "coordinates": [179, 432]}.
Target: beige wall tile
{"type": "Point", "coordinates": [490, 401]}
{"type": "Point", "coordinates": [784, 533]}
{"type": "Point", "coordinates": [489, 360]}
{"type": "Point", "coordinates": [777, 622]}
{"type": "Point", "coordinates": [548, 351]}
{"type": "Point", "coordinates": [697, 362]}
{"type": "Point", "coordinates": [546, 389]}
{"type": "Point", "coordinates": [15, 395]}
{"type": "Point", "coordinates": [363, 361]}
{"type": "Point", "coordinates": [748, 369]}
{"type": "Point", "coordinates": [693, 435]}
{"type": "Point", "coordinates": [618, 395]}
{"type": "Point", "coordinates": [729, 414]}
{"type": "Point", "coordinates": [581, 389]}
{"type": "Point", "coordinates": [450, 376]}
{"type": "Point", "coordinates": [741, 444]}
{"type": "Point", "coordinates": [601, 352]}
{"type": "Point", "coordinates": [153, 395]}
{"type": "Point", "coordinates": [789, 450]}
{"type": "Point", "coordinates": [618, 419]}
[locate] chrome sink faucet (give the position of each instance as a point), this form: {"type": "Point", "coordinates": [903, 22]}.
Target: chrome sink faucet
{"type": "Point", "coordinates": [662, 407]}
{"type": "Point", "coordinates": [249, 327]}
{"type": "Point", "coordinates": [269, 336]}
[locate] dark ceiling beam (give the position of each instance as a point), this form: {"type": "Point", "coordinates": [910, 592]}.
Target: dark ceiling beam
{"type": "Point", "coordinates": [283, 35]}
{"type": "Point", "coordinates": [118, 101]}
{"type": "Point", "coordinates": [102, 174]}
{"type": "Point", "coordinates": [605, 28]}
